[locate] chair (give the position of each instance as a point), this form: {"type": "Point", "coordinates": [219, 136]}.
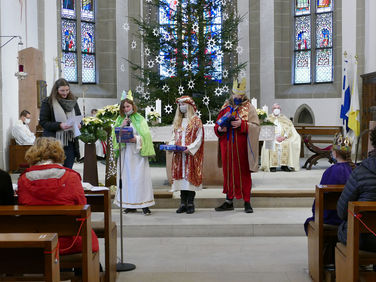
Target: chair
{"type": "Point", "coordinates": [319, 153]}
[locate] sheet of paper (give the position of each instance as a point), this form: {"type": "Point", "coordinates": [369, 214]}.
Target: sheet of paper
{"type": "Point", "coordinates": [75, 120]}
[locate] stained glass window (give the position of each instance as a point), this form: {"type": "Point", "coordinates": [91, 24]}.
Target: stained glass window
{"type": "Point", "coordinates": [84, 47]}
{"type": "Point", "coordinates": [313, 23]}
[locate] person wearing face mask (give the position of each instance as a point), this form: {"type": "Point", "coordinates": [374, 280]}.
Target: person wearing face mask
{"type": "Point", "coordinates": [286, 151]}
{"type": "Point", "coordinates": [21, 131]}
{"type": "Point", "coordinates": [135, 171]}
{"type": "Point", "coordinates": [187, 165]}
{"type": "Point", "coordinates": [55, 111]}
{"type": "Point", "coordinates": [238, 143]}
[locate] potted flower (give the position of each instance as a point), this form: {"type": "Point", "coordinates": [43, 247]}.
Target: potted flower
{"type": "Point", "coordinates": [153, 117]}
{"type": "Point", "coordinates": [263, 117]}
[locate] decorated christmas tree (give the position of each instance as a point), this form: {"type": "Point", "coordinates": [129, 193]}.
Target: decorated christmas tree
{"type": "Point", "coordinates": [189, 47]}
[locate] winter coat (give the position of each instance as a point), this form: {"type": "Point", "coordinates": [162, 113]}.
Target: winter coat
{"type": "Point", "coordinates": [6, 189]}
{"type": "Point", "coordinates": [53, 184]}
{"type": "Point", "coordinates": [361, 186]}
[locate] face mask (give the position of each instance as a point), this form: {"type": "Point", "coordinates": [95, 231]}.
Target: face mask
{"type": "Point", "coordinates": [183, 108]}
{"type": "Point", "coordinates": [237, 101]}
{"type": "Point", "coordinates": [276, 112]}
{"type": "Point", "coordinates": [27, 120]}
{"type": "Point", "coordinates": [129, 113]}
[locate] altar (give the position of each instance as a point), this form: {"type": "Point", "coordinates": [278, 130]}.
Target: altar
{"type": "Point", "coordinates": [212, 174]}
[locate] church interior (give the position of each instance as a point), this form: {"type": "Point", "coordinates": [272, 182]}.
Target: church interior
{"type": "Point", "coordinates": [313, 60]}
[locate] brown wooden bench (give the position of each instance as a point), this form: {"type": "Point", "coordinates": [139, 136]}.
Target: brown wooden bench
{"type": "Point", "coordinates": [322, 135]}
{"type": "Point", "coordinates": [29, 253]}
{"type": "Point", "coordinates": [349, 257]}
{"type": "Point", "coordinates": [326, 197]}
{"type": "Point", "coordinates": [100, 201]}
{"type": "Point", "coordinates": [64, 220]}
{"type": "Point", "coordinates": [17, 162]}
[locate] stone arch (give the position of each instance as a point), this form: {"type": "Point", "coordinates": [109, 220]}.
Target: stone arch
{"type": "Point", "coordinates": [304, 115]}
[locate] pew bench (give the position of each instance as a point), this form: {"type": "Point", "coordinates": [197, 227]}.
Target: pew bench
{"type": "Point", "coordinates": [33, 254]}
{"type": "Point", "coordinates": [319, 233]}
{"type": "Point", "coordinates": [100, 201]}
{"type": "Point", "coordinates": [348, 257]}
{"type": "Point", "coordinates": [17, 162]}
{"type": "Point", "coordinates": [63, 220]}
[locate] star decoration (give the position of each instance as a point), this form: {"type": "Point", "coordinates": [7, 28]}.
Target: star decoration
{"type": "Point", "coordinates": [219, 53]}
{"type": "Point", "coordinates": [122, 67]}
{"type": "Point", "coordinates": [225, 73]}
{"type": "Point", "coordinates": [209, 122]}
{"type": "Point", "coordinates": [198, 113]}
{"type": "Point", "coordinates": [223, 2]}
{"type": "Point", "coordinates": [188, 67]}
{"type": "Point", "coordinates": [195, 27]}
{"type": "Point", "coordinates": [225, 16]}
{"type": "Point", "coordinates": [181, 90]}
{"type": "Point", "coordinates": [218, 91]}
{"type": "Point", "coordinates": [158, 59]}
{"type": "Point", "coordinates": [134, 44]}
{"type": "Point", "coordinates": [239, 49]}
{"type": "Point", "coordinates": [139, 89]}
{"type": "Point", "coordinates": [155, 32]}
{"type": "Point", "coordinates": [211, 43]}
{"type": "Point", "coordinates": [228, 44]}
{"type": "Point", "coordinates": [165, 88]}
{"type": "Point", "coordinates": [152, 109]}
{"type": "Point", "coordinates": [150, 64]}
{"type": "Point", "coordinates": [205, 100]}
{"type": "Point", "coordinates": [146, 95]}
{"type": "Point", "coordinates": [167, 37]}
{"type": "Point", "coordinates": [191, 84]}
{"type": "Point", "coordinates": [147, 51]}
{"type": "Point", "coordinates": [170, 72]}
{"type": "Point", "coordinates": [168, 109]}
{"type": "Point", "coordinates": [126, 26]}
{"type": "Point", "coordinates": [225, 89]}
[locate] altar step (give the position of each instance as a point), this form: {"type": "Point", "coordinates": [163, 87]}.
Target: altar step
{"type": "Point", "coordinates": [209, 223]}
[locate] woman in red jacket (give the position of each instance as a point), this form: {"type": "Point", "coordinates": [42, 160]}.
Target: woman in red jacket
{"type": "Point", "coordinates": [47, 182]}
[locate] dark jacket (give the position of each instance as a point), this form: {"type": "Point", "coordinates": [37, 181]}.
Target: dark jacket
{"type": "Point", "coordinates": [361, 186]}
{"type": "Point", "coordinates": [6, 189]}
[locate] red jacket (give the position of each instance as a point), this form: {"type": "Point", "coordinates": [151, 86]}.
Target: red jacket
{"type": "Point", "coordinates": [53, 184]}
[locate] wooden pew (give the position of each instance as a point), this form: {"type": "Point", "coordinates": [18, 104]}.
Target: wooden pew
{"type": "Point", "coordinates": [349, 257]}
{"type": "Point", "coordinates": [64, 220]}
{"type": "Point", "coordinates": [326, 197]}
{"type": "Point", "coordinates": [17, 153]}
{"type": "Point", "coordinates": [100, 201]}
{"type": "Point", "coordinates": [29, 253]}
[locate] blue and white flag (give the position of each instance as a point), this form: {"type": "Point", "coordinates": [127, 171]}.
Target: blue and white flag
{"type": "Point", "coordinates": [346, 96]}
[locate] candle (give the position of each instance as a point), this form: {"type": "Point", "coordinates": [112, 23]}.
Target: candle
{"type": "Point", "coordinates": [147, 111]}
{"type": "Point", "coordinates": [254, 102]}
{"type": "Point", "coordinates": [158, 108]}
{"type": "Point", "coordinates": [265, 109]}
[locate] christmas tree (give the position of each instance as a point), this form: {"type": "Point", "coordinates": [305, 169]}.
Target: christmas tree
{"type": "Point", "coordinates": [189, 48]}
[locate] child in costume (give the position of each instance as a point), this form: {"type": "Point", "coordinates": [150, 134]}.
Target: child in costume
{"type": "Point", "coordinates": [187, 165]}
{"type": "Point", "coordinates": [135, 170]}
{"type": "Point", "coordinates": [238, 143]}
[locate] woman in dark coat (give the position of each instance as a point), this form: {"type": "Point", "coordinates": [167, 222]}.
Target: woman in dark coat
{"type": "Point", "coordinates": [6, 189]}
{"type": "Point", "coordinates": [54, 113]}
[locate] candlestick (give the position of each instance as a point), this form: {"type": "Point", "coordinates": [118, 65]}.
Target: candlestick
{"type": "Point", "coordinates": [254, 102]}
{"type": "Point", "coordinates": [265, 109]}
{"type": "Point", "coordinates": [158, 108]}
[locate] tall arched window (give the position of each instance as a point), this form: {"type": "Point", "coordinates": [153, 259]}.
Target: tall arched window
{"type": "Point", "coordinates": [78, 40]}
{"type": "Point", "coordinates": [313, 41]}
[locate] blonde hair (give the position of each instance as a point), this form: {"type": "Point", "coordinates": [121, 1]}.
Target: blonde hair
{"type": "Point", "coordinates": [45, 148]}
{"type": "Point", "coordinates": [179, 115]}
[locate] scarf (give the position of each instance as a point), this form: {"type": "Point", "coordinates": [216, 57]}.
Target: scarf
{"type": "Point", "coordinates": [62, 115]}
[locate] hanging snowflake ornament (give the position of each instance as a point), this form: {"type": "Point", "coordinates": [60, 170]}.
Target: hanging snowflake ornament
{"type": "Point", "coordinates": [225, 16]}
{"type": "Point", "coordinates": [218, 91]}
{"type": "Point", "coordinates": [239, 49]}
{"type": "Point", "coordinates": [198, 113]}
{"type": "Point", "coordinates": [152, 108]}
{"type": "Point", "coordinates": [158, 59]}
{"type": "Point", "coordinates": [205, 100]}
{"type": "Point", "coordinates": [225, 89]}
{"type": "Point", "coordinates": [191, 84]}
{"type": "Point", "coordinates": [211, 43]}
{"type": "Point", "coordinates": [126, 26]}
{"type": "Point", "coordinates": [225, 73]}
{"type": "Point", "coordinates": [146, 95]}
{"type": "Point", "coordinates": [150, 64]}
{"type": "Point", "coordinates": [209, 122]}
{"type": "Point", "coordinates": [140, 89]}
{"type": "Point", "coordinates": [167, 37]}
{"type": "Point", "coordinates": [165, 88]}
{"type": "Point", "coordinates": [228, 44]}
{"type": "Point", "coordinates": [147, 52]}
{"type": "Point", "coordinates": [170, 72]}
{"type": "Point", "coordinates": [187, 66]}
{"type": "Point", "coordinates": [195, 27]}
{"type": "Point", "coordinates": [223, 3]}
{"type": "Point", "coordinates": [181, 90]}
{"type": "Point", "coordinates": [219, 54]}
{"type": "Point", "coordinates": [168, 109]}
{"type": "Point", "coordinates": [155, 32]}
{"type": "Point", "coordinates": [133, 44]}
{"type": "Point", "coordinates": [122, 67]}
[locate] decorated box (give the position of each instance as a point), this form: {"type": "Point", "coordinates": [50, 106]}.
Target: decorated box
{"type": "Point", "coordinates": [174, 148]}
{"type": "Point", "coordinates": [124, 134]}
{"type": "Point", "coordinates": [225, 120]}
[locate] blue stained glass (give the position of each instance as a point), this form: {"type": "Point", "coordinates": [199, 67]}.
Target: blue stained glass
{"type": "Point", "coordinates": [68, 36]}
{"type": "Point", "coordinates": [302, 7]}
{"type": "Point", "coordinates": [87, 37]}
{"type": "Point", "coordinates": [88, 68]}
{"type": "Point", "coordinates": [324, 65]}
{"type": "Point", "coordinates": [324, 6]}
{"type": "Point", "coordinates": [68, 9]}
{"type": "Point", "coordinates": [70, 66]}
{"type": "Point", "coordinates": [302, 67]}
{"type": "Point", "coordinates": [324, 31]}
{"type": "Point", "coordinates": [302, 33]}
{"type": "Point", "coordinates": [87, 10]}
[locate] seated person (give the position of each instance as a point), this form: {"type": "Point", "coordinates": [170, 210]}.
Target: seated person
{"type": "Point", "coordinates": [361, 186]}
{"type": "Point", "coordinates": [94, 112]}
{"type": "Point", "coordinates": [47, 182]}
{"type": "Point", "coordinates": [6, 189]}
{"type": "Point", "coordinates": [286, 145]}
{"type": "Point", "coordinates": [21, 131]}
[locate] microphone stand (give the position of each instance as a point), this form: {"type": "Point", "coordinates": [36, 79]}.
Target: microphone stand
{"type": "Point", "coordinates": [122, 266]}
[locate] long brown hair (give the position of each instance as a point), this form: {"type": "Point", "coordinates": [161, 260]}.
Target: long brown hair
{"type": "Point", "coordinates": [58, 83]}
{"type": "Point", "coordinates": [346, 156]}
{"type": "Point", "coordinates": [121, 111]}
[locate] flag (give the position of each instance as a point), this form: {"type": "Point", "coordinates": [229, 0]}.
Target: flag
{"type": "Point", "coordinates": [354, 113]}
{"type": "Point", "coordinates": [346, 96]}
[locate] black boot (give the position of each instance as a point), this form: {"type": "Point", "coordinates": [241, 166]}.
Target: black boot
{"type": "Point", "coordinates": [191, 205]}
{"type": "Point", "coordinates": [226, 206]}
{"type": "Point", "coordinates": [247, 207]}
{"type": "Point", "coordinates": [183, 202]}
{"type": "Point", "coordinates": [146, 211]}
{"type": "Point", "coordinates": [128, 210]}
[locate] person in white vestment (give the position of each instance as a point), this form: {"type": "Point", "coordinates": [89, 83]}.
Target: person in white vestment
{"type": "Point", "coordinates": [21, 131]}
{"type": "Point", "coordinates": [187, 165]}
{"type": "Point", "coordinates": [286, 145]}
{"type": "Point", "coordinates": [134, 166]}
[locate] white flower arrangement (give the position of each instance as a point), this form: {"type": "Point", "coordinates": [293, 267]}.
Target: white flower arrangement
{"type": "Point", "coordinates": [153, 116]}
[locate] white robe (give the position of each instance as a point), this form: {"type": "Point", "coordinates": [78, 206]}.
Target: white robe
{"type": "Point", "coordinates": [22, 134]}
{"type": "Point", "coordinates": [184, 184]}
{"type": "Point", "coordinates": [136, 176]}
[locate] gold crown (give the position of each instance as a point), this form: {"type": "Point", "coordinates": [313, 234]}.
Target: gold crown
{"type": "Point", "coordinates": [341, 143]}
{"type": "Point", "coordinates": [238, 88]}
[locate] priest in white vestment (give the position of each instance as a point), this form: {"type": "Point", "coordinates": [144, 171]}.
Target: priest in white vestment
{"type": "Point", "coordinates": [287, 142]}
{"type": "Point", "coordinates": [21, 131]}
